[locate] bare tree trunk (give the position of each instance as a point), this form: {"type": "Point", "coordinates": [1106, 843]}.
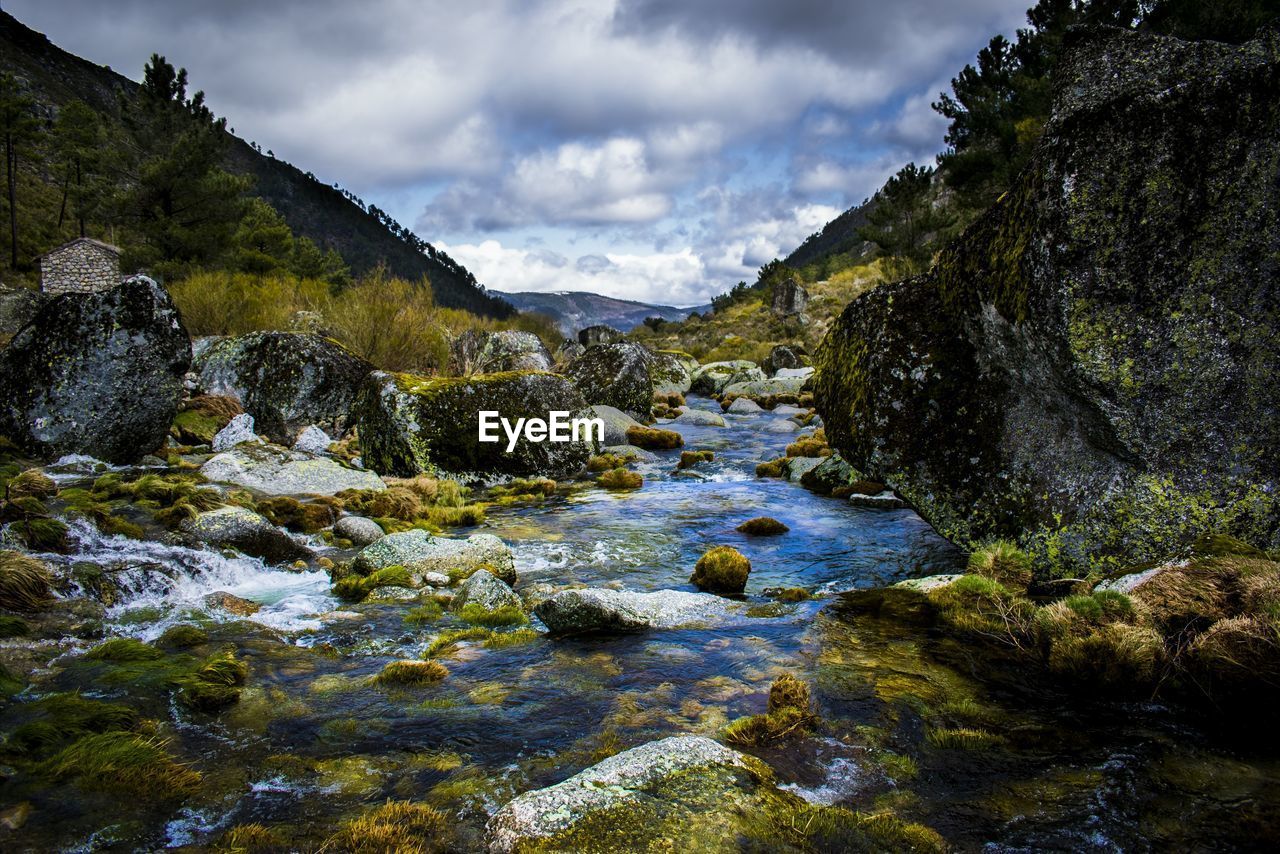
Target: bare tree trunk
{"type": "Point", "coordinates": [11, 163]}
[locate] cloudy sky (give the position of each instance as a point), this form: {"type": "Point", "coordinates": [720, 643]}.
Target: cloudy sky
{"type": "Point", "coordinates": [658, 150]}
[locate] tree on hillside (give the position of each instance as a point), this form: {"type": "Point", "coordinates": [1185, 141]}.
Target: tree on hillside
{"type": "Point", "coordinates": [183, 206]}
{"type": "Point", "coordinates": [78, 141]}
{"type": "Point", "coordinates": [906, 220]}
{"type": "Point", "coordinates": [18, 127]}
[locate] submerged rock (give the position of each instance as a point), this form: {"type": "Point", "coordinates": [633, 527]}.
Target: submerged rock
{"type": "Point", "coordinates": [681, 791]}
{"type": "Point", "coordinates": [700, 418]}
{"type": "Point", "coordinates": [595, 610]}
{"type": "Point", "coordinates": [476, 352]}
{"type": "Point", "coordinates": [422, 553]}
{"type": "Point", "coordinates": [273, 470]}
{"type": "Point", "coordinates": [245, 531]}
{"type": "Point", "coordinates": [286, 380]}
{"type": "Point", "coordinates": [615, 375]}
{"type": "Point", "coordinates": [1090, 368]}
{"type": "Point", "coordinates": [409, 425]}
{"type": "Point", "coordinates": [98, 374]}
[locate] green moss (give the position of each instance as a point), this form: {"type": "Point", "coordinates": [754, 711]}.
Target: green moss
{"type": "Point", "coordinates": [398, 826]}
{"type": "Point", "coordinates": [762, 526]}
{"type": "Point", "coordinates": [24, 582]}
{"type": "Point", "coordinates": [963, 738]}
{"type": "Point", "coordinates": [502, 640]}
{"type": "Point", "coordinates": [59, 719]}
{"type": "Point", "coordinates": [356, 588]}
{"type": "Point", "coordinates": [123, 649]}
{"type": "Point", "coordinates": [428, 612]}
{"type": "Point", "coordinates": [249, 839]}
{"type": "Point", "coordinates": [447, 640]}
{"type": "Point", "coordinates": [620, 479]}
{"type": "Point", "coordinates": [688, 459]}
{"type": "Point", "coordinates": [774, 726]}
{"type": "Point", "coordinates": [182, 636]}
{"type": "Point", "coordinates": [607, 462]}
{"type": "Point", "coordinates": [772, 468]}
{"type": "Point", "coordinates": [410, 672]}
{"type": "Point", "coordinates": [13, 627]}
{"type": "Point", "coordinates": [506, 615]}
{"type": "Point", "coordinates": [654, 439]}
{"type": "Point", "coordinates": [722, 569]}
{"type": "Point", "coordinates": [122, 762]}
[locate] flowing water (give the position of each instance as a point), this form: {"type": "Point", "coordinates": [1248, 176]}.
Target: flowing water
{"type": "Point", "coordinates": [311, 741]}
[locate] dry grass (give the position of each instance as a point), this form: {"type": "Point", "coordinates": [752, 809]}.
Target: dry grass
{"type": "Point", "coordinates": [24, 582]}
{"type": "Point", "coordinates": [396, 826]}
{"type": "Point", "coordinates": [620, 479]}
{"type": "Point", "coordinates": [654, 439]}
{"type": "Point", "coordinates": [722, 569]}
{"type": "Point", "coordinates": [762, 526]}
{"type": "Point", "coordinates": [1004, 562]}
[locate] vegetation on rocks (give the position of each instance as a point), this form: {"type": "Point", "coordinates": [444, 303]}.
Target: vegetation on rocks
{"type": "Point", "coordinates": [654, 439]}
{"type": "Point", "coordinates": [762, 526]}
{"type": "Point", "coordinates": [722, 569]}
{"type": "Point", "coordinates": [620, 479]}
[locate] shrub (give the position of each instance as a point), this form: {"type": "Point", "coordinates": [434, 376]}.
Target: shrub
{"type": "Point", "coordinates": [1003, 561]}
{"type": "Point", "coordinates": [722, 569]}
{"type": "Point", "coordinates": [310, 517]}
{"type": "Point", "coordinates": [398, 826]}
{"type": "Point", "coordinates": [654, 439]}
{"type": "Point", "coordinates": [762, 526]}
{"type": "Point", "coordinates": [788, 692]}
{"type": "Point", "coordinates": [24, 582]}
{"type": "Point", "coordinates": [1116, 654]}
{"type": "Point", "coordinates": [621, 478]}
{"type": "Point", "coordinates": [758, 730]}
{"type": "Point", "coordinates": [411, 672]}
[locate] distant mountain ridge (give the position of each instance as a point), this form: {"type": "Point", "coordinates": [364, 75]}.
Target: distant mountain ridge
{"type": "Point", "coordinates": [312, 209]}
{"type": "Point", "coordinates": [574, 310]}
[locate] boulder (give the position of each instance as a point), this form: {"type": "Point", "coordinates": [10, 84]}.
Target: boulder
{"type": "Point", "coordinates": [98, 374]}
{"type": "Point", "coordinates": [711, 378]}
{"type": "Point", "coordinates": [616, 423]}
{"type": "Point", "coordinates": [829, 475]}
{"type": "Point", "coordinates": [789, 299]}
{"type": "Point", "coordinates": [232, 603]}
{"type": "Point", "coordinates": [409, 425]}
{"type": "Point", "coordinates": [1090, 368]}
{"type": "Point", "coordinates": [360, 530]}
{"type": "Point", "coordinates": [599, 334]}
{"type": "Point", "coordinates": [765, 387]}
{"type": "Point", "coordinates": [927, 583]}
{"type": "Point", "coordinates": [200, 418]}
{"type": "Point", "coordinates": [286, 380]}
{"type": "Point", "coordinates": [616, 375]}
{"type": "Point", "coordinates": [423, 553]}
{"type": "Point", "coordinates": [744, 406]}
{"type": "Point", "coordinates": [567, 352]}
{"type": "Point", "coordinates": [795, 468]}
{"type": "Point", "coordinates": [485, 591]}
{"type": "Point", "coordinates": [794, 374]}
{"type": "Point", "coordinates": [880, 501]}
{"type": "Point", "coordinates": [272, 470]}
{"type": "Point", "coordinates": [18, 306]}
{"type": "Point", "coordinates": [784, 356]}
{"type": "Point", "coordinates": [245, 531]}
{"type": "Point", "coordinates": [781, 425]}
{"type": "Point", "coordinates": [313, 440]}
{"type": "Point", "coordinates": [685, 792]}
{"type": "Point", "coordinates": [476, 352]}
{"type": "Point", "coordinates": [671, 371]}
{"type": "Point", "coordinates": [700, 418]}
{"type": "Point", "coordinates": [238, 431]}
{"type": "Point", "coordinates": [596, 610]}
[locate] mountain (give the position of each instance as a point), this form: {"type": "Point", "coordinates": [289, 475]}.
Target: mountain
{"type": "Point", "coordinates": [574, 310]}
{"type": "Point", "coordinates": [838, 237]}
{"type": "Point", "coordinates": [363, 236]}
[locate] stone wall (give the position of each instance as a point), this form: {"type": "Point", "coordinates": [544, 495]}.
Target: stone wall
{"type": "Point", "coordinates": [79, 267]}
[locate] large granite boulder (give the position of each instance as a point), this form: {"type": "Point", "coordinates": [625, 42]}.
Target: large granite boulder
{"type": "Point", "coordinates": [712, 377]}
{"type": "Point", "coordinates": [485, 591]}
{"type": "Point", "coordinates": [286, 380]}
{"type": "Point", "coordinates": [97, 374]}
{"type": "Point", "coordinates": [411, 424]}
{"type": "Point", "coordinates": [1091, 367]}
{"type": "Point", "coordinates": [616, 423]}
{"type": "Point", "coordinates": [765, 388]}
{"type": "Point", "coordinates": [18, 306]}
{"type": "Point", "coordinates": [599, 334]}
{"type": "Point", "coordinates": [789, 299]}
{"type": "Point", "coordinates": [422, 554]}
{"type": "Point", "coordinates": [685, 792]}
{"type": "Point", "coordinates": [272, 470]}
{"type": "Point", "coordinates": [671, 371]}
{"type": "Point", "coordinates": [477, 352]}
{"type": "Point", "coordinates": [615, 375]}
{"type": "Point", "coordinates": [784, 356]}
{"type": "Point", "coordinates": [597, 610]}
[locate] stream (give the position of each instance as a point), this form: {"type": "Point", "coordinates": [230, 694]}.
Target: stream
{"type": "Point", "coordinates": [311, 741]}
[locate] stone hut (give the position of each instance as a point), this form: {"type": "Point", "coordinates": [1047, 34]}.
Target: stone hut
{"type": "Point", "coordinates": [82, 266]}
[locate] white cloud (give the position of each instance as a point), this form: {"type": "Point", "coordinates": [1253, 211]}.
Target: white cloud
{"type": "Point", "coordinates": [668, 278]}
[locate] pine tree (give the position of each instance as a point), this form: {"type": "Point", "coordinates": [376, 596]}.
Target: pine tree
{"type": "Point", "coordinates": [905, 221]}
{"type": "Point", "coordinates": [18, 128]}
{"type": "Point", "coordinates": [78, 142]}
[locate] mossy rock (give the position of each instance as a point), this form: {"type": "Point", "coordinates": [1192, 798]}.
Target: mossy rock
{"type": "Point", "coordinates": [616, 375]}
{"type": "Point", "coordinates": [722, 569]}
{"type": "Point", "coordinates": [1087, 370]}
{"type": "Point", "coordinates": [97, 374]}
{"type": "Point", "coordinates": [286, 380]}
{"type": "Point", "coordinates": [762, 526]}
{"type": "Point", "coordinates": [411, 425]}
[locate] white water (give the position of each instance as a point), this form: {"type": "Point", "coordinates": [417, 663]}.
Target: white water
{"type": "Point", "coordinates": [175, 579]}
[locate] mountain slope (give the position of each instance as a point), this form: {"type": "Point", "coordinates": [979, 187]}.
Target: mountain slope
{"type": "Point", "coordinates": [838, 237]}
{"type": "Point", "coordinates": [574, 310]}
{"type": "Point", "coordinates": [321, 212]}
